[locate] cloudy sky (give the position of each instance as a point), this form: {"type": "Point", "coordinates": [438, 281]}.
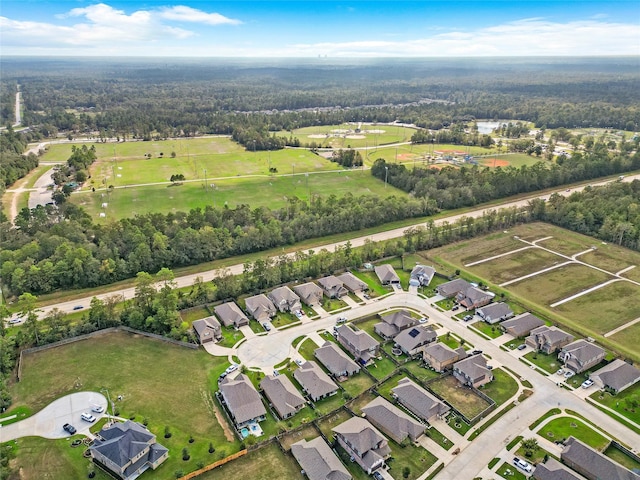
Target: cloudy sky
{"type": "Point", "coordinates": [311, 28]}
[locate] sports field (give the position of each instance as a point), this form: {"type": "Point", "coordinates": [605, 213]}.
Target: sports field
{"type": "Point", "coordinates": [351, 135]}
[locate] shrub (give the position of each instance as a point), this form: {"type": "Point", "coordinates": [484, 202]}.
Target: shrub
{"type": "Point", "coordinates": [167, 432]}
{"type": "Point", "coordinates": [211, 447]}
{"type": "Point", "coordinates": [185, 454]}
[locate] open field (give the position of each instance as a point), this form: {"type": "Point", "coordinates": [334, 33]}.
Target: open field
{"type": "Point", "coordinates": [565, 427]}
{"type": "Point", "coordinates": [628, 338]}
{"type": "Point", "coordinates": [462, 399]}
{"type": "Point", "coordinates": [345, 136]}
{"type": "Point", "coordinates": [469, 251]}
{"type": "Point", "coordinates": [515, 265]}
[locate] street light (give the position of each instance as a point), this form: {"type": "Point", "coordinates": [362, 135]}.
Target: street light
{"type": "Point", "coordinates": [386, 174]}
{"type": "Point", "coordinates": [106, 390]}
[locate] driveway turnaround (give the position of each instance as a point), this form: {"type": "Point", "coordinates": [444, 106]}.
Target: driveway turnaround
{"type": "Point", "coordinates": [48, 422]}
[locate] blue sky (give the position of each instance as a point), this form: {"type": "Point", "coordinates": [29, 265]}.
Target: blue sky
{"type": "Point", "coordinates": [305, 28]}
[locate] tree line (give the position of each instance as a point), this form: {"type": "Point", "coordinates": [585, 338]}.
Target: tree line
{"type": "Point", "coordinates": [13, 164]}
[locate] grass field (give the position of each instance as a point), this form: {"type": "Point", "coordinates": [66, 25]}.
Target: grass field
{"type": "Point", "coordinates": [548, 363]}
{"type": "Point", "coordinates": [629, 338]}
{"type": "Point", "coordinates": [501, 388]}
{"type": "Point", "coordinates": [507, 470]}
{"type": "Point", "coordinates": [618, 456]}
{"type": "Point", "coordinates": [462, 399]}
{"type": "Point", "coordinates": [626, 403]}
{"type": "Point", "coordinates": [336, 136]}
{"type": "Point", "coordinates": [565, 427]}
{"type": "Point", "coordinates": [516, 265]}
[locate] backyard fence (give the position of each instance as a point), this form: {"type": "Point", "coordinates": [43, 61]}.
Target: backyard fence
{"type": "Point", "coordinates": [210, 467]}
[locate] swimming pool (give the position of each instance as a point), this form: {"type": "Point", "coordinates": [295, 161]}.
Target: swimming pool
{"type": "Point", "coordinates": [244, 432]}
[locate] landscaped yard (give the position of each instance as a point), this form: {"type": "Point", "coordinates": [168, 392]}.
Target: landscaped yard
{"type": "Point", "coordinates": [331, 304]}
{"type": "Point", "coordinates": [510, 472]}
{"type": "Point", "coordinates": [626, 403]}
{"type": "Point", "coordinates": [381, 368]}
{"type": "Point", "coordinates": [356, 384]}
{"type": "Point", "coordinates": [548, 363]}
{"type": "Point", "coordinates": [194, 314]}
{"type": "Point", "coordinates": [565, 427]}
{"type": "Point", "coordinates": [230, 336]}
{"type": "Point", "coordinates": [375, 288]}
{"type": "Point", "coordinates": [284, 318]}
{"type": "Point", "coordinates": [307, 433]}
{"type": "Point", "coordinates": [439, 438]}
{"type": "Point", "coordinates": [421, 373]}
{"type": "Point", "coordinates": [462, 399]}
{"type": "Point", "coordinates": [307, 348]}
{"type": "Point", "coordinates": [501, 388]}
{"type": "Point", "coordinates": [492, 331]}
{"type": "Point", "coordinates": [416, 459]}
{"type": "Point", "coordinates": [618, 456]}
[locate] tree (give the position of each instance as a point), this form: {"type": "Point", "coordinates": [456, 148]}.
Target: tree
{"type": "Point", "coordinates": [530, 446]}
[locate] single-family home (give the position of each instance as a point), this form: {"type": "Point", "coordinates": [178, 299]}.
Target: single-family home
{"type": "Point", "coordinates": [336, 361]}
{"type": "Point", "coordinates": [318, 461]}
{"type": "Point", "coordinates": [230, 314]}
{"type": "Point", "coordinates": [592, 464]}
{"type": "Point", "coordinates": [554, 470]}
{"type": "Point", "coordinates": [440, 357]}
{"type": "Point", "coordinates": [353, 283]}
{"type": "Point", "coordinates": [392, 421]}
{"type": "Point", "coordinates": [332, 287]}
{"type": "Point", "coordinates": [314, 381]}
{"type": "Point", "coordinates": [393, 323]}
{"type": "Point", "coordinates": [362, 441]}
{"type": "Point", "coordinates": [207, 330]}
{"type": "Point", "coordinates": [127, 450]}
{"type": "Point", "coordinates": [474, 297]}
{"type": "Point", "coordinates": [422, 275]}
{"type": "Point", "coordinates": [617, 376]}
{"type": "Point", "coordinates": [285, 300]}
{"type": "Point", "coordinates": [472, 371]}
{"type": "Point", "coordinates": [282, 395]}
{"type": "Point", "coordinates": [419, 401]}
{"type": "Point", "coordinates": [309, 293]}
{"type": "Point", "coordinates": [548, 339]}
{"type": "Point", "coordinates": [242, 400]}
{"type": "Point", "coordinates": [495, 312]}
{"type": "Point", "coordinates": [413, 340]}
{"type": "Point", "coordinates": [260, 308]}
{"type": "Point", "coordinates": [521, 325]}
{"type": "Point", "coordinates": [387, 275]}
{"type": "Point", "coordinates": [452, 288]}
{"type": "Point", "coordinates": [359, 343]}
{"type": "Point", "coordinates": [581, 355]}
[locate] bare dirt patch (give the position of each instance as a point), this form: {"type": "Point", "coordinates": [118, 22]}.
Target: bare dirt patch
{"type": "Point", "coordinates": [494, 162]}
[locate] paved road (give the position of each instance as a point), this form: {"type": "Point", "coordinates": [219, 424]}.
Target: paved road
{"type": "Point", "coordinates": [188, 280]}
{"type": "Point", "coordinates": [18, 112]}
{"type": "Point", "coordinates": [48, 422]}
{"type": "Point", "coordinates": [42, 195]}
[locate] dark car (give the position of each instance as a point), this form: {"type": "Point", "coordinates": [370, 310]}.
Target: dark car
{"type": "Point", "coordinates": [78, 307]}
{"type": "Point", "coordinates": [476, 352]}
{"type": "Point", "coordinates": [70, 429]}
{"type": "Point", "coordinates": [456, 307]}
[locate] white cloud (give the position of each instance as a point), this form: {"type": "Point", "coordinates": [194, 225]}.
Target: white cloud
{"type": "Point", "coordinates": [188, 14]}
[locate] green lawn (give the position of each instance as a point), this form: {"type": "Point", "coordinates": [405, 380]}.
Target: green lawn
{"type": "Point", "coordinates": [510, 472]}
{"type": "Point", "coordinates": [356, 384]}
{"type": "Point", "coordinates": [516, 265]}
{"type": "Point", "coordinates": [565, 427]}
{"type": "Point", "coordinates": [626, 403]}
{"type": "Point", "coordinates": [283, 318]}
{"type": "Point", "coordinates": [492, 331]}
{"type": "Point", "coordinates": [326, 424]}
{"type": "Point", "coordinates": [548, 363]}
{"type": "Point", "coordinates": [194, 314]}
{"type": "Point", "coordinates": [368, 136]}
{"type": "Point", "coordinates": [501, 388]}
{"type": "Point", "coordinates": [307, 348]}
{"type": "Point", "coordinates": [370, 278]}
{"type": "Point", "coordinates": [230, 336]}
{"type": "Point", "coordinates": [439, 438]}
{"type": "Point", "coordinates": [416, 459]}
{"type": "Point", "coordinates": [381, 368]}
{"type": "Point", "coordinates": [421, 373]}
{"type": "Point", "coordinates": [620, 457]}
{"type": "Point", "coordinates": [332, 304]}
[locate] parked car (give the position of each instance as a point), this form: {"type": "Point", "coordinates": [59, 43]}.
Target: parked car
{"type": "Point", "coordinates": [15, 321]}
{"type": "Point", "coordinates": [276, 373]}
{"type": "Point", "coordinates": [455, 307]}
{"type": "Point", "coordinates": [231, 368]}
{"type": "Point", "coordinates": [476, 352]}
{"type": "Point", "coordinates": [568, 374]}
{"type": "Point", "coordinates": [522, 347]}
{"type": "Point", "coordinates": [87, 417]}
{"type": "Point", "coordinates": [341, 320]}
{"type": "Point", "coordinates": [466, 318]}
{"type": "Point", "coordinates": [526, 466]}
{"type": "Point", "coordinates": [266, 326]}
{"type": "Point", "coordinates": [70, 429]}
{"type": "Point", "coordinates": [560, 372]}
{"type": "Point", "coordinates": [377, 475]}
{"type": "Point", "coordinates": [587, 383]}
{"type": "Point", "coordinates": [299, 362]}
{"type": "Point", "coordinates": [367, 296]}
{"type": "Point", "coordinates": [423, 320]}
{"type": "Point", "coordinates": [97, 408]}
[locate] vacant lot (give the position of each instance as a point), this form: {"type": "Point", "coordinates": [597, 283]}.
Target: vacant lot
{"type": "Point", "coordinates": [478, 249]}
{"type": "Point", "coordinates": [629, 338]}
{"type": "Point", "coordinates": [462, 399]}
{"type": "Point", "coordinates": [515, 265]}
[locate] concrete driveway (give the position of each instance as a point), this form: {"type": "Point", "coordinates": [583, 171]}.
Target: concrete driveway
{"type": "Point", "coordinates": [48, 422]}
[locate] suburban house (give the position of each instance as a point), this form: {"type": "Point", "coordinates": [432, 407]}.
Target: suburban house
{"type": "Point", "coordinates": [419, 401]}
{"type": "Point", "coordinates": [230, 314]}
{"type": "Point", "coordinates": [392, 421]}
{"type": "Point", "coordinates": [336, 361]}
{"type": "Point", "coordinates": [495, 312]}
{"type": "Point", "coordinates": [318, 461]}
{"type": "Point", "coordinates": [387, 275]}
{"type": "Point", "coordinates": [353, 283]}
{"type": "Point", "coordinates": [581, 355]}
{"type": "Point", "coordinates": [592, 464]}
{"type": "Point", "coordinates": [441, 357]}
{"type": "Point", "coordinates": [521, 325]}
{"type": "Point", "coordinates": [617, 376]}
{"type": "Point", "coordinates": [472, 371]}
{"type": "Point", "coordinates": [394, 323]}
{"type": "Point", "coordinates": [474, 297]}
{"type": "Point", "coordinates": [554, 470]}
{"type": "Point", "coordinates": [260, 308]}
{"type": "Point", "coordinates": [413, 340]}
{"type": "Point", "coordinates": [309, 293]}
{"type": "Point", "coordinates": [360, 344]}
{"type": "Point", "coordinates": [314, 381]}
{"type": "Point", "coordinates": [362, 441]}
{"type": "Point", "coordinates": [282, 395]}
{"type": "Point", "coordinates": [285, 300]}
{"type": "Point", "coordinates": [242, 400]}
{"type": "Point", "coordinates": [422, 275]}
{"type": "Point", "coordinates": [453, 288]}
{"type": "Point", "coordinates": [548, 339]}
{"type": "Point", "coordinates": [127, 450]}
{"type": "Point", "coordinates": [207, 330]}
{"type": "Point", "coordinates": [332, 287]}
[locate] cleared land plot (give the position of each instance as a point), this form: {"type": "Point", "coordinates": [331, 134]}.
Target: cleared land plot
{"type": "Point", "coordinates": [558, 284]}
{"type": "Point", "coordinates": [479, 248]}
{"type": "Point", "coordinates": [516, 265]}
{"type": "Point", "coordinates": [617, 304]}
{"type": "Point", "coordinates": [568, 244]}
{"type": "Point", "coordinates": [345, 136]}
{"type": "Point", "coordinates": [614, 259]}
{"type": "Point", "coordinates": [565, 427]}
{"type": "Point", "coordinates": [462, 399]}
{"type": "Point", "coordinates": [628, 338]}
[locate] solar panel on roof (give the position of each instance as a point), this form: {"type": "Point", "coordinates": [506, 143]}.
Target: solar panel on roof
{"type": "Point", "coordinates": [414, 333]}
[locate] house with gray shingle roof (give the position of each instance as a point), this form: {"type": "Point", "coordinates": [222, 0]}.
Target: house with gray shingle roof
{"type": "Point", "coordinates": [521, 325]}
{"type": "Point", "coordinates": [392, 421]}
{"type": "Point", "coordinates": [282, 395]}
{"type": "Point", "coordinates": [548, 339]}
{"type": "Point", "coordinates": [472, 371]}
{"type": "Point", "coordinates": [453, 288]}
{"type": "Point", "coordinates": [387, 275]}
{"type": "Point", "coordinates": [362, 441]}
{"type": "Point", "coordinates": [260, 308]}
{"type": "Point", "coordinates": [207, 330]}
{"type": "Point", "coordinates": [230, 314]}
{"type": "Point", "coordinates": [359, 343]}
{"type": "Point", "coordinates": [592, 464]}
{"type": "Point", "coordinates": [474, 297]}
{"type": "Point", "coordinates": [127, 450]}
{"type": "Point", "coordinates": [336, 361]}
{"type": "Point", "coordinates": [554, 470]}
{"type": "Point", "coordinates": [413, 340]}
{"type": "Point", "coordinates": [314, 381]}
{"type": "Point", "coordinates": [309, 293]}
{"type": "Point", "coordinates": [495, 312]}
{"type": "Point", "coordinates": [423, 274]}
{"type": "Point", "coordinates": [617, 375]}
{"type": "Point", "coordinates": [581, 355]}
{"type": "Point", "coordinates": [418, 400]}
{"type": "Point", "coordinates": [242, 400]}
{"type": "Point", "coordinates": [353, 283]}
{"type": "Point", "coordinates": [285, 300]}
{"type": "Point", "coordinates": [441, 357]}
{"type": "Point", "coordinates": [394, 323]}
{"type": "Point", "coordinates": [318, 461]}
{"type": "Point", "coordinates": [332, 287]}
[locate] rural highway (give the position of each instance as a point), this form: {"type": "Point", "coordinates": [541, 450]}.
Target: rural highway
{"type": "Point", "coordinates": [187, 280]}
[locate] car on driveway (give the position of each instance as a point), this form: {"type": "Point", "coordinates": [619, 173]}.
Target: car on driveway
{"type": "Point", "coordinates": [466, 318]}
{"type": "Point", "coordinates": [455, 307]}
{"type": "Point", "coordinates": [377, 475]}
{"type": "Point", "coordinates": [87, 417]}
{"type": "Point", "coordinates": [231, 368]}
{"type": "Point", "coordinates": [423, 320]}
{"type": "Point", "coordinates": [568, 374]}
{"type": "Point", "coordinates": [367, 296]}
{"type": "Point", "coordinates": [70, 429]}
{"type": "Point", "coordinates": [266, 326]}
{"type": "Point", "coordinates": [560, 372]}
{"type": "Point", "coordinates": [587, 383]}
{"type": "Point", "coordinates": [521, 464]}
{"type": "Point", "coordinates": [522, 347]}
{"type": "Point", "coordinates": [97, 408]}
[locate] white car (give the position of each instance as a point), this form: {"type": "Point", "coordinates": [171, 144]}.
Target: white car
{"type": "Point", "coordinates": [568, 374]}
{"type": "Point", "coordinates": [97, 408]}
{"type": "Point", "coordinates": [587, 383]}
{"type": "Point", "coordinates": [521, 464]}
{"type": "Point", "coordinates": [87, 417]}
{"type": "Point", "coordinates": [231, 368]}
{"type": "Point", "coordinates": [560, 372]}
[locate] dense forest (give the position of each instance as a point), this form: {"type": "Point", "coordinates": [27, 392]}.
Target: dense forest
{"type": "Point", "coordinates": [13, 164]}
